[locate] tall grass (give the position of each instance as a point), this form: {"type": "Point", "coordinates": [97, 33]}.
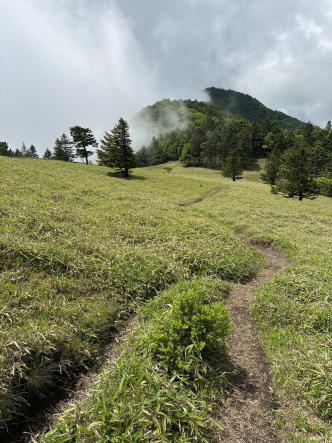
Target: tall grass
{"type": "Point", "coordinates": [293, 311]}
{"type": "Point", "coordinates": [149, 395]}
{"type": "Point", "coordinates": [80, 251]}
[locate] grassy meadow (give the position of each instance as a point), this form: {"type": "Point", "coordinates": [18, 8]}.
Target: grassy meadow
{"type": "Point", "coordinates": [81, 251]}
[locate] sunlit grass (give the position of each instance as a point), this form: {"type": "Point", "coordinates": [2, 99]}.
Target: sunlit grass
{"type": "Point", "coordinates": [81, 250]}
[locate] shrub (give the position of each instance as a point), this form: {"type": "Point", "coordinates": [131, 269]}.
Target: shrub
{"type": "Point", "coordinates": [324, 186]}
{"type": "Point", "coordinates": [191, 335]}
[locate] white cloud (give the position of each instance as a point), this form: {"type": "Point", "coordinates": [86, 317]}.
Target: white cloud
{"type": "Point", "coordinates": [88, 62]}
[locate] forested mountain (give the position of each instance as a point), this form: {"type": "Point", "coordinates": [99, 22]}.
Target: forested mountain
{"type": "Point", "coordinates": [200, 134]}
{"type": "Point", "coordinates": [249, 107]}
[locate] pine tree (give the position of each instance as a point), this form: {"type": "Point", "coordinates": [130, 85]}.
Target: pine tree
{"type": "Point", "coordinates": [232, 166]}
{"type": "Point", "coordinates": [308, 133]}
{"type": "Point", "coordinates": [83, 138]}
{"type": "Point", "coordinates": [24, 150]}
{"type": "Point", "coordinates": [63, 149]}
{"type": "Point", "coordinates": [18, 153]}
{"type": "Point", "coordinates": [328, 126]}
{"type": "Point", "coordinates": [318, 158]}
{"type": "Point", "coordinates": [116, 149]}
{"type": "Point", "coordinates": [32, 152]}
{"type": "Point", "coordinates": [272, 167]}
{"type": "Point", "coordinates": [47, 154]}
{"type": "Point", "coordinates": [157, 155]}
{"type": "Point", "coordinates": [4, 150]}
{"type": "Point", "coordinates": [296, 176]}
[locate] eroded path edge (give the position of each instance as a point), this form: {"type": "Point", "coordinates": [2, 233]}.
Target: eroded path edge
{"type": "Point", "coordinates": [247, 414]}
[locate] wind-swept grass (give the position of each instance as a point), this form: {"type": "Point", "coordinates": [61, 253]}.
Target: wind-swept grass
{"type": "Point", "coordinates": [81, 250]}
{"type": "Point", "coordinates": [293, 311]}
{"type": "Point", "coordinates": [168, 378]}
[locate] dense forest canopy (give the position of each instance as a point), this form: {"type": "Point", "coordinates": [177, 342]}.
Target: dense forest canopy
{"type": "Point", "coordinates": [248, 107]}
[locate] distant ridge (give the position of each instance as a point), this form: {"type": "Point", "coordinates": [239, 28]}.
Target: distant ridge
{"type": "Point", "coordinates": [250, 108]}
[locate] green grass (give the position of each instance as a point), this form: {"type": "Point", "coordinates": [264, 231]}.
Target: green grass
{"type": "Point", "coordinates": [293, 311]}
{"type": "Point", "coordinates": [146, 397]}
{"type": "Point", "coordinates": [80, 251]}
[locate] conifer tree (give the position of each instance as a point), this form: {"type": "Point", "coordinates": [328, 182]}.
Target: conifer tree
{"type": "Point", "coordinates": [18, 153]}
{"type": "Point", "coordinates": [82, 139]}
{"type": "Point", "coordinates": [24, 150]}
{"type": "Point", "coordinates": [47, 154]}
{"type": "Point", "coordinates": [32, 152]}
{"type": "Point", "coordinates": [232, 165]}
{"type": "Point", "coordinates": [318, 158]}
{"type": "Point", "coordinates": [272, 167]}
{"type": "Point", "coordinates": [116, 149]}
{"type": "Point", "coordinates": [63, 149]}
{"type": "Point", "coordinates": [296, 176]}
{"type": "Point", "coordinates": [328, 126]}
{"type": "Point", "coordinates": [4, 150]}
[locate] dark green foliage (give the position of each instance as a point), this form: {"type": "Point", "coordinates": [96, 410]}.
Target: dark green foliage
{"type": "Point", "coordinates": [192, 331]}
{"type": "Point", "coordinates": [47, 154]}
{"type": "Point", "coordinates": [308, 133]}
{"type": "Point", "coordinates": [115, 150]}
{"type": "Point", "coordinates": [18, 153]}
{"type": "Point", "coordinates": [232, 165]}
{"type": "Point", "coordinates": [324, 185]}
{"type": "Point", "coordinates": [63, 149]}
{"type": "Point", "coordinates": [31, 152]}
{"type": "Point", "coordinates": [248, 107]}
{"type": "Point", "coordinates": [156, 153]}
{"type": "Point", "coordinates": [296, 177]}
{"type": "Point", "coordinates": [191, 154]}
{"type": "Point", "coordinates": [82, 139]}
{"type": "Point", "coordinates": [142, 157]}
{"type": "Point", "coordinates": [328, 126]}
{"type": "Point", "coordinates": [4, 150]}
{"type": "Point", "coordinates": [272, 167]}
{"type": "Point", "coordinates": [319, 158]}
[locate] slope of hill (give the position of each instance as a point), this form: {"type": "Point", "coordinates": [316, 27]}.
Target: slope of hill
{"type": "Point", "coordinates": [249, 107]}
{"type": "Point", "coordinates": [79, 259]}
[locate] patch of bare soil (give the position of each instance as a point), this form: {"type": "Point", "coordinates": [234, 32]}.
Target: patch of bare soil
{"type": "Point", "coordinates": [202, 198]}
{"type": "Point", "coordinates": [68, 397]}
{"type": "Point", "coordinates": [247, 415]}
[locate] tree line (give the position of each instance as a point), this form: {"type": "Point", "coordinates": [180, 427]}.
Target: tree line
{"type": "Point", "coordinates": [115, 148]}
{"type": "Point", "coordinates": [299, 162]}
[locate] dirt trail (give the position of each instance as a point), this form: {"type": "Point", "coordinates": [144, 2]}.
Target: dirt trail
{"type": "Point", "coordinates": [202, 198]}
{"type": "Point", "coordinates": [247, 414]}
{"type": "Point", "coordinates": [68, 397]}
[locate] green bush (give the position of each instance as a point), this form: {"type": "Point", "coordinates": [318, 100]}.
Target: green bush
{"type": "Point", "coordinates": [191, 335]}
{"type": "Point", "coordinates": [325, 186]}
{"type": "Point", "coordinates": [148, 396]}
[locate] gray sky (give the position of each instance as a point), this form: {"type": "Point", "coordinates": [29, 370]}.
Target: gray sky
{"type": "Point", "coordinates": [88, 62]}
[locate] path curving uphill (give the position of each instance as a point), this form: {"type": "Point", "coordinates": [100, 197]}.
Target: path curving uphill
{"type": "Point", "coordinates": [247, 414]}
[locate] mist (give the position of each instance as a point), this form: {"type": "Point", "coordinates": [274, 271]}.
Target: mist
{"type": "Point", "coordinates": [89, 62]}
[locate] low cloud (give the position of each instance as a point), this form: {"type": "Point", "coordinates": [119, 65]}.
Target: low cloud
{"type": "Point", "coordinates": [88, 62]}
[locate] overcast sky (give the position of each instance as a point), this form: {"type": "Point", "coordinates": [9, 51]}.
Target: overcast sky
{"type": "Point", "coordinates": [88, 62]}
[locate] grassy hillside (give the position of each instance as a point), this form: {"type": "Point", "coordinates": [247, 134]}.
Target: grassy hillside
{"type": "Point", "coordinates": [249, 107]}
{"type": "Point", "coordinates": [80, 250]}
